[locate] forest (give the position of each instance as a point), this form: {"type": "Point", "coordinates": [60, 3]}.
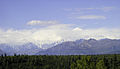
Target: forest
{"type": "Point", "coordinates": [60, 61]}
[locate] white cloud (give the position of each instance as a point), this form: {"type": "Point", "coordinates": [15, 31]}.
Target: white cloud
{"type": "Point", "coordinates": [55, 33]}
{"type": "Point", "coordinates": [91, 17]}
{"type": "Point", "coordinates": [105, 9]}
{"type": "Point", "coordinates": [42, 23]}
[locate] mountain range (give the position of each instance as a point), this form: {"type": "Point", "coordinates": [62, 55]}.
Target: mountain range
{"type": "Point", "coordinates": [28, 49]}
{"type": "Point", "coordinates": [78, 47]}
{"type": "Point", "coordinates": [84, 47]}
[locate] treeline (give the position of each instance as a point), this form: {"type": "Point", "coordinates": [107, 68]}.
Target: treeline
{"type": "Point", "coordinates": [60, 62]}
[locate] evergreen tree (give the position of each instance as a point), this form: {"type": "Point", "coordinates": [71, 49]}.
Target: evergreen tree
{"type": "Point", "coordinates": [100, 65]}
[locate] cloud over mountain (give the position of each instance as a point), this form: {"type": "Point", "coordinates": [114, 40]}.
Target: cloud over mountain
{"type": "Point", "coordinates": [55, 33]}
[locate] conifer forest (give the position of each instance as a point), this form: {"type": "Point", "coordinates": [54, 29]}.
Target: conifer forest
{"type": "Point", "coordinates": [60, 62]}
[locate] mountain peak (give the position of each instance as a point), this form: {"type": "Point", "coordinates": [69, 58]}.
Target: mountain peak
{"type": "Point", "coordinates": [77, 29]}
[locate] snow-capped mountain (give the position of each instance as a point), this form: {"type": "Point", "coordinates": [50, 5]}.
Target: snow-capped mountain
{"type": "Point", "coordinates": [77, 29]}
{"type": "Point", "coordinates": [7, 49]}
{"type": "Point", "coordinates": [78, 47]}
{"type": "Point", "coordinates": [27, 48]}
{"type": "Point", "coordinates": [86, 47]}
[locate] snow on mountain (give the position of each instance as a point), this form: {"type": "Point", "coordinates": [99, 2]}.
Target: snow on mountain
{"type": "Point", "coordinates": [52, 35]}
{"type": "Point", "coordinates": [77, 29]}
{"type": "Point", "coordinates": [27, 48]}
{"type": "Point", "coordinates": [86, 47]}
{"type": "Point", "coordinates": [46, 43]}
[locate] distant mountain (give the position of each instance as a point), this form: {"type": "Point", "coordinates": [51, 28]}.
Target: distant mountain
{"type": "Point", "coordinates": [7, 49]}
{"type": "Point", "coordinates": [84, 47]}
{"type": "Point", "coordinates": [46, 46]}
{"type": "Point", "coordinates": [78, 47]}
{"type": "Point", "coordinates": [29, 49]}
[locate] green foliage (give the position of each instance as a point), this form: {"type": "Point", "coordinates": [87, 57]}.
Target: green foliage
{"type": "Point", "coordinates": [60, 62]}
{"type": "Point", "coordinates": [100, 65]}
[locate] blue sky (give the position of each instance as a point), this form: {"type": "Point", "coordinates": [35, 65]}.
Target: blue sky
{"type": "Point", "coordinates": [47, 21]}
{"type": "Point", "coordinates": [16, 13]}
